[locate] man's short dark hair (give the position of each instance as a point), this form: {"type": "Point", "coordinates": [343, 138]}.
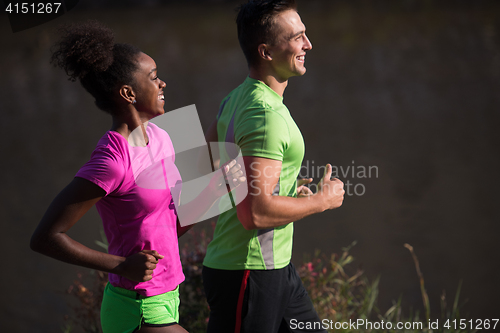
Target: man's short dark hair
{"type": "Point", "coordinates": [256, 24]}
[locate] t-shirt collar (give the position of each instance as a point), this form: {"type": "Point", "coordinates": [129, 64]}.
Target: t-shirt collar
{"type": "Point", "coordinates": [255, 81]}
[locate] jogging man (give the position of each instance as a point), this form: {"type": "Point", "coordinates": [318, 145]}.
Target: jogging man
{"type": "Point", "coordinates": [250, 283]}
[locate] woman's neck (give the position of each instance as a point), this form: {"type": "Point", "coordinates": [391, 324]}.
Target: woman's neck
{"type": "Point", "coordinates": [132, 128]}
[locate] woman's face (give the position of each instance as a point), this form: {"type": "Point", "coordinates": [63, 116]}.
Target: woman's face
{"type": "Point", "coordinates": [148, 88]}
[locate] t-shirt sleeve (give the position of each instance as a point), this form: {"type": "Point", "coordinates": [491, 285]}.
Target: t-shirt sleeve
{"type": "Point", "coordinates": [104, 169]}
{"type": "Point", "coordinates": [263, 133]}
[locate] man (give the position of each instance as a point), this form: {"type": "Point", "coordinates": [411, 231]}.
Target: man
{"type": "Point", "coordinates": [250, 283]}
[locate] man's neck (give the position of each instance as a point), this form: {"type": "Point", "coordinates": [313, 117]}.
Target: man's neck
{"type": "Point", "coordinates": [270, 80]}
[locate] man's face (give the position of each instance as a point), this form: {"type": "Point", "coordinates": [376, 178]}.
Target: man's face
{"type": "Point", "coordinates": [288, 53]}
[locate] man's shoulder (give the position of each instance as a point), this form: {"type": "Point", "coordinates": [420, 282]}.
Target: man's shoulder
{"type": "Point", "coordinates": [254, 93]}
{"type": "Point", "coordinates": [241, 101]}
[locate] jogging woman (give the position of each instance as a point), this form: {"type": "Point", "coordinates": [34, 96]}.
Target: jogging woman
{"type": "Point", "coordinates": [140, 223]}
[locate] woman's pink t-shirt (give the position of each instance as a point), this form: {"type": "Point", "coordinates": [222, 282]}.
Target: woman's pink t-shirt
{"type": "Point", "coordinates": [138, 211]}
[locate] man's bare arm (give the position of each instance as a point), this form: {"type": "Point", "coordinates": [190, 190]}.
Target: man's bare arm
{"type": "Point", "coordinates": [262, 210]}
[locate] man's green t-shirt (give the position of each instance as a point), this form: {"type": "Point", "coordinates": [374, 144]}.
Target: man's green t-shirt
{"type": "Point", "coordinates": [254, 117]}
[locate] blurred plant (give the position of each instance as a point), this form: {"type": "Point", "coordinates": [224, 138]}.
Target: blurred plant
{"type": "Point", "coordinates": [339, 296]}
{"type": "Point", "coordinates": [88, 299]}
{"type": "Point", "coordinates": [86, 314]}
{"type": "Point", "coordinates": [339, 293]}
{"type": "Point", "coordinates": [194, 310]}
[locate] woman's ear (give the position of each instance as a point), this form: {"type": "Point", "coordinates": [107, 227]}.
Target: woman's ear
{"type": "Point", "coordinates": [265, 52]}
{"type": "Point", "coordinates": [128, 94]}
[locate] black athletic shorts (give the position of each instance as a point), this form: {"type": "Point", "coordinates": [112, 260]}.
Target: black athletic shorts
{"type": "Point", "coordinates": [258, 301]}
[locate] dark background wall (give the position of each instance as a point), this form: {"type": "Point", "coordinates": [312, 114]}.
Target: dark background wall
{"type": "Point", "coordinates": [410, 87]}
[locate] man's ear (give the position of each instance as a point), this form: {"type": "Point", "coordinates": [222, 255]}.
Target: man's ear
{"type": "Point", "coordinates": [265, 52]}
{"type": "Point", "coordinates": [127, 93]}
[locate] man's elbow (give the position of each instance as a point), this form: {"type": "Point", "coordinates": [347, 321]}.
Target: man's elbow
{"type": "Point", "coordinates": [250, 221]}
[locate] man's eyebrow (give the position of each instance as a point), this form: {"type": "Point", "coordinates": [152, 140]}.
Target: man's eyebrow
{"type": "Point", "coordinates": [297, 34]}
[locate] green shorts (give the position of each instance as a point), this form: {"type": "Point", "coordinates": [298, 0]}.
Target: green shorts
{"type": "Point", "coordinates": [125, 311]}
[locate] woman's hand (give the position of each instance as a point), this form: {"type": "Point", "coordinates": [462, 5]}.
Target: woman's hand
{"type": "Point", "coordinates": [140, 266]}
{"type": "Point", "coordinates": [220, 184]}
{"type": "Point", "coordinates": [232, 174]}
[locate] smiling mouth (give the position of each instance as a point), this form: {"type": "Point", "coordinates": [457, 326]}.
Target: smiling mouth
{"type": "Point", "coordinates": [301, 58]}
{"type": "Point", "coordinates": [161, 97]}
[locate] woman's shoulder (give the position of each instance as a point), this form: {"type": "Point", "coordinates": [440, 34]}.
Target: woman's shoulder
{"type": "Point", "coordinates": [113, 142]}
{"type": "Point", "coordinates": [112, 146]}
{"type": "Point", "coordinates": [106, 166]}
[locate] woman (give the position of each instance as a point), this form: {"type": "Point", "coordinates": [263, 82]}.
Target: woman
{"type": "Point", "coordinates": [140, 223]}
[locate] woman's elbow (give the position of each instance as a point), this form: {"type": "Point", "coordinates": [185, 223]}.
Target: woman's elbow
{"type": "Point", "coordinates": [38, 242]}
{"type": "Point", "coordinates": [35, 243]}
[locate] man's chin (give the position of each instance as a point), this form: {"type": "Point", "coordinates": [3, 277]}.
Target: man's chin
{"type": "Point", "coordinates": [300, 72]}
